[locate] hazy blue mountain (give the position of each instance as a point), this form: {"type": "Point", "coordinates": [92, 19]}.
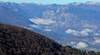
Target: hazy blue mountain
{"type": "Point", "coordinates": [9, 16]}
{"type": "Point", "coordinates": [73, 24]}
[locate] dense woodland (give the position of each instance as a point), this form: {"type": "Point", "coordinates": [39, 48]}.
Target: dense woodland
{"type": "Point", "coordinates": [15, 40]}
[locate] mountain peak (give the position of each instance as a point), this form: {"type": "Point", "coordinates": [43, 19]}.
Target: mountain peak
{"type": "Point", "coordinates": [92, 3]}
{"type": "Point", "coordinates": [88, 3]}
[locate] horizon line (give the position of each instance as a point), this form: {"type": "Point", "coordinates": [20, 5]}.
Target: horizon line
{"type": "Point", "coordinates": [46, 3]}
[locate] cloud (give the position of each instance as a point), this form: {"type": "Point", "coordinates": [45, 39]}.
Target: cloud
{"type": "Point", "coordinates": [42, 21]}
{"type": "Point", "coordinates": [84, 32]}
{"type": "Point", "coordinates": [81, 45]}
{"type": "Point", "coordinates": [34, 26]}
{"type": "Point", "coordinates": [72, 43]}
{"type": "Point", "coordinates": [48, 30]}
{"type": "Point", "coordinates": [88, 30]}
{"type": "Point", "coordinates": [96, 34]}
{"type": "Point", "coordinates": [28, 28]}
{"type": "Point", "coordinates": [70, 31]}
{"type": "Point", "coordinates": [97, 41]}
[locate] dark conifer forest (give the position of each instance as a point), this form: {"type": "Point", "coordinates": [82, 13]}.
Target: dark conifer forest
{"type": "Point", "coordinates": [15, 40]}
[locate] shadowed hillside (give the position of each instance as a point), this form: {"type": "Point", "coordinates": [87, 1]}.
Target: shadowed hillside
{"type": "Point", "coordinates": [20, 41]}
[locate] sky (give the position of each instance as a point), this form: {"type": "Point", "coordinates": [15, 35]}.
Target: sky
{"type": "Point", "coordinates": [49, 1]}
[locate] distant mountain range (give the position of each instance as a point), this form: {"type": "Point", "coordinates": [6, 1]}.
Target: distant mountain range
{"type": "Point", "coordinates": [72, 24]}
